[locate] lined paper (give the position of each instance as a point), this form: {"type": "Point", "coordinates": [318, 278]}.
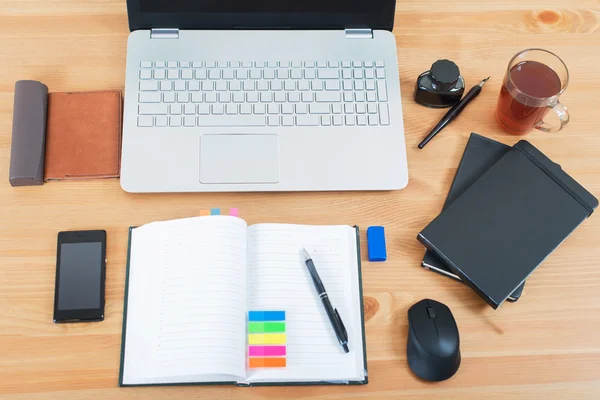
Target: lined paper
{"type": "Point", "coordinates": [279, 280]}
{"type": "Point", "coordinates": [192, 282]}
{"type": "Point", "coordinates": [187, 301]}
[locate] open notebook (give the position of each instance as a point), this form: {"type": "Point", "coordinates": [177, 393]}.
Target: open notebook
{"type": "Point", "coordinates": [191, 282]}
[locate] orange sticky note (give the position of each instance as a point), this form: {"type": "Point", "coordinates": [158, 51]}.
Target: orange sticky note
{"type": "Point", "coordinates": [204, 213]}
{"type": "Point", "coordinates": [267, 362]}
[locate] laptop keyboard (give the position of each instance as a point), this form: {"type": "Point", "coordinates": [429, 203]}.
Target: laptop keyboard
{"type": "Point", "coordinates": [246, 94]}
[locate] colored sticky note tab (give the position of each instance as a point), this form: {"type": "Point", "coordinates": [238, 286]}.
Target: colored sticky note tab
{"type": "Point", "coordinates": [266, 338]}
{"type": "Point", "coordinates": [266, 316]}
{"type": "Point", "coordinates": [204, 213]}
{"type": "Point", "coordinates": [266, 351]}
{"type": "Point", "coordinates": [215, 211]}
{"type": "Point", "coordinates": [259, 362]}
{"type": "Point", "coordinates": [233, 212]}
{"type": "Point", "coordinates": [266, 327]}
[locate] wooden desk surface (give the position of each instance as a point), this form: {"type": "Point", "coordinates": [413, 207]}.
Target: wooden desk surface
{"type": "Point", "coordinates": [547, 345]}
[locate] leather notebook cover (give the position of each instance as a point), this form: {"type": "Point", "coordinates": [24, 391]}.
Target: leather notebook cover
{"type": "Point", "coordinates": [512, 217]}
{"type": "Point", "coordinates": [83, 135]}
{"type": "Point", "coordinates": [480, 154]}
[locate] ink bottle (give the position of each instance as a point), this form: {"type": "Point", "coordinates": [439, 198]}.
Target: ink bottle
{"type": "Point", "coordinates": [441, 86]}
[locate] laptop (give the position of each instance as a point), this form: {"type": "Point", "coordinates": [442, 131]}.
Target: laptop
{"type": "Point", "coordinates": [262, 95]}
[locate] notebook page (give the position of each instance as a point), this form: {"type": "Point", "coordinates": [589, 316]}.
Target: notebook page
{"type": "Point", "coordinates": [279, 280]}
{"type": "Point", "coordinates": [187, 301]}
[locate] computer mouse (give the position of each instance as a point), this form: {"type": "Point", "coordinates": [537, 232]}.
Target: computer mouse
{"type": "Point", "coordinates": [433, 347]}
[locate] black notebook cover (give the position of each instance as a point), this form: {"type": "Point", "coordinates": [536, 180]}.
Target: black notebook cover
{"type": "Point", "coordinates": [480, 154]}
{"type": "Point", "coordinates": [513, 216]}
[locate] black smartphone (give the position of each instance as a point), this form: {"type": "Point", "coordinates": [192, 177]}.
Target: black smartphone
{"type": "Point", "coordinates": [80, 276]}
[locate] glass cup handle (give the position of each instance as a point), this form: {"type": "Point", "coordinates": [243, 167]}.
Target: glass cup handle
{"type": "Point", "coordinates": [563, 115]}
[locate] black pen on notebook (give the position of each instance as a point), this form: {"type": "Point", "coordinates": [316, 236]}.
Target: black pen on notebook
{"type": "Point", "coordinates": [334, 316]}
{"type": "Point", "coordinates": [454, 111]}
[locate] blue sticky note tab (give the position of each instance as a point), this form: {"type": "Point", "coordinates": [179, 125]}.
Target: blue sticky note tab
{"type": "Point", "coordinates": [376, 243]}
{"type": "Point", "coordinates": [215, 211]}
{"type": "Point", "coordinates": [266, 315]}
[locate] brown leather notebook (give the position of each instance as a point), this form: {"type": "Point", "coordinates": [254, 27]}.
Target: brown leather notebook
{"type": "Point", "coordinates": [83, 135]}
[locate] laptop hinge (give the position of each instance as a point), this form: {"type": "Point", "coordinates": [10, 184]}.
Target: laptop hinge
{"type": "Point", "coordinates": [359, 33]}
{"type": "Point", "coordinates": [164, 33]}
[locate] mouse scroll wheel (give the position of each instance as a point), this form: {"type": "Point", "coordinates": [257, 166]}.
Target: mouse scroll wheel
{"type": "Point", "coordinates": [431, 312]}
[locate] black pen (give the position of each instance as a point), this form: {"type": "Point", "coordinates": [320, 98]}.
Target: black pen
{"type": "Point", "coordinates": [454, 111]}
{"type": "Point", "coordinates": [334, 316]}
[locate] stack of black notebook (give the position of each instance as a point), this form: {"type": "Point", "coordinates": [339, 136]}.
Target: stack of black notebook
{"type": "Point", "coordinates": [508, 208]}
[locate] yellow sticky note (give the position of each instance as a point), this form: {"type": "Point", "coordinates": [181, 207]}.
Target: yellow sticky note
{"type": "Point", "coordinates": [266, 338]}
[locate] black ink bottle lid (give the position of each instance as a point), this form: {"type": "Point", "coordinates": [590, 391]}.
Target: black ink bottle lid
{"type": "Point", "coordinates": [441, 86]}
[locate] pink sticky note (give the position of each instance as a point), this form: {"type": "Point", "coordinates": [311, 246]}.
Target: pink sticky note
{"type": "Point", "coordinates": [233, 212]}
{"type": "Point", "coordinates": [268, 351]}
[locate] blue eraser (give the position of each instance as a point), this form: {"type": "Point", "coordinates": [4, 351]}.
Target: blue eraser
{"type": "Point", "coordinates": [376, 243]}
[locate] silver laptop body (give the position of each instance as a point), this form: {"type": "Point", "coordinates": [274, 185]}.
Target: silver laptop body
{"type": "Point", "coordinates": [234, 96]}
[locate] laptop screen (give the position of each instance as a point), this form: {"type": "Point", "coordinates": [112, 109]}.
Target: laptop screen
{"type": "Point", "coordinates": [261, 14]}
{"type": "Point", "coordinates": [260, 6]}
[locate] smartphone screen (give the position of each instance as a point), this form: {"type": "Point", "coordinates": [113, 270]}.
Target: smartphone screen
{"type": "Point", "coordinates": [80, 275]}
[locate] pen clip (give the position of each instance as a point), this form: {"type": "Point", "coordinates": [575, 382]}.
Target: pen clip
{"type": "Point", "coordinates": [337, 314]}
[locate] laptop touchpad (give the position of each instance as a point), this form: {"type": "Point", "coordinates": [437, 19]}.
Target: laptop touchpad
{"type": "Point", "coordinates": [239, 158]}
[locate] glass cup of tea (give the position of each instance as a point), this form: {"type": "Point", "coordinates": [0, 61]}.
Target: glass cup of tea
{"type": "Point", "coordinates": [534, 80]}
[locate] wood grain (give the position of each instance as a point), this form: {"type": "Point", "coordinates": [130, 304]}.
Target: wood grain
{"type": "Point", "coordinates": [544, 346]}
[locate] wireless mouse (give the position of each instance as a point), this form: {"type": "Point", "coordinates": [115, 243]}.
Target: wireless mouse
{"type": "Point", "coordinates": [433, 348]}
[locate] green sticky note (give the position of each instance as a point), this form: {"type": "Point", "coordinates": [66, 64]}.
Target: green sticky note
{"type": "Point", "coordinates": [266, 327]}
